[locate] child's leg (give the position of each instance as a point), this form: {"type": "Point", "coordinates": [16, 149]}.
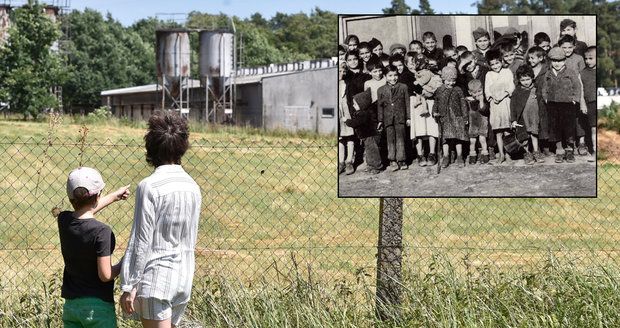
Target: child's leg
{"type": "Point", "coordinates": [472, 146]}
{"type": "Point", "coordinates": [391, 142]}
{"type": "Point", "coordinates": [499, 137]}
{"type": "Point", "coordinates": [432, 143]}
{"type": "Point", "coordinates": [534, 138]}
{"type": "Point", "coordinates": [483, 145]}
{"type": "Point", "coordinates": [350, 146]}
{"type": "Point", "coordinates": [400, 142]}
{"type": "Point", "coordinates": [341, 152]}
{"type": "Point", "coordinates": [418, 147]}
{"type": "Point", "coordinates": [593, 131]}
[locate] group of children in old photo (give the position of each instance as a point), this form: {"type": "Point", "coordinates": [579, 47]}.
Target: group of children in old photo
{"type": "Point", "coordinates": [501, 101]}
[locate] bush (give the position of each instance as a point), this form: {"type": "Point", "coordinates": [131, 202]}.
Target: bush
{"type": "Point", "coordinates": [609, 117]}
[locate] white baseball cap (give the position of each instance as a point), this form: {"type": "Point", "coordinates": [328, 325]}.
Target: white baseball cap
{"type": "Point", "coordinates": [87, 178]}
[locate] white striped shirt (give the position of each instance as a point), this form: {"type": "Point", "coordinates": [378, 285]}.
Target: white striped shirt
{"type": "Point", "coordinates": [159, 259]}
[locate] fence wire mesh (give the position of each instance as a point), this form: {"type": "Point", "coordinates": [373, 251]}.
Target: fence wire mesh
{"type": "Point", "coordinates": [270, 209]}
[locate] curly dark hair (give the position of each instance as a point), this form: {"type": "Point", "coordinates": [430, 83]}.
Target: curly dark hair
{"type": "Point", "coordinates": [167, 138]}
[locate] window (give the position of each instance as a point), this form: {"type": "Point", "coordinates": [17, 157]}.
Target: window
{"type": "Point", "coordinates": [327, 112]}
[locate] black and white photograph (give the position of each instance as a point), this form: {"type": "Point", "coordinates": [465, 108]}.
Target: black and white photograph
{"type": "Point", "coordinates": [467, 106]}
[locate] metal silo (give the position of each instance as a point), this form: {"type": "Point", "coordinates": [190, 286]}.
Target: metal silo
{"type": "Point", "coordinates": [173, 67]}
{"type": "Point", "coordinates": [216, 53]}
{"type": "Point", "coordinates": [217, 69]}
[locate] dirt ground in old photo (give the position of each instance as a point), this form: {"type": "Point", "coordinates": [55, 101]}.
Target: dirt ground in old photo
{"type": "Point", "coordinates": [510, 179]}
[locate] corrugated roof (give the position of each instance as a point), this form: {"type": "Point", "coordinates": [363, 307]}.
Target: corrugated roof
{"type": "Point", "coordinates": [141, 89]}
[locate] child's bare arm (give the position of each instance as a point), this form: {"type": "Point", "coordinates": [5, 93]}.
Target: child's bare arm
{"type": "Point", "coordinates": [120, 194]}
{"type": "Point", "coordinates": [106, 270]}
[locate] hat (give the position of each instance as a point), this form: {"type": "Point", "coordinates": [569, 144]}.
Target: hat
{"type": "Point", "coordinates": [474, 86]}
{"type": "Point", "coordinates": [448, 73]}
{"type": "Point", "coordinates": [423, 76]}
{"type": "Point", "coordinates": [556, 53]}
{"type": "Point", "coordinates": [373, 43]}
{"type": "Point", "coordinates": [480, 32]}
{"type": "Point", "coordinates": [511, 31]}
{"type": "Point", "coordinates": [397, 46]}
{"type": "Point", "coordinates": [363, 99]}
{"type": "Point", "coordinates": [87, 178]}
{"type": "Point", "coordinates": [567, 22]}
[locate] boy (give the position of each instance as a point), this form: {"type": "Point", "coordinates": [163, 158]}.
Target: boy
{"type": "Point", "coordinates": [541, 39]}
{"type": "Point", "coordinates": [376, 47]}
{"type": "Point", "coordinates": [378, 80]}
{"type": "Point", "coordinates": [364, 121]}
{"type": "Point", "coordinates": [588, 79]}
{"type": "Point", "coordinates": [405, 76]}
{"type": "Point", "coordinates": [561, 91]}
{"type": "Point", "coordinates": [483, 43]}
{"type": "Point", "coordinates": [449, 52]}
{"type": "Point", "coordinates": [460, 50]}
{"type": "Point", "coordinates": [535, 58]}
{"type": "Point", "coordinates": [394, 114]}
{"type": "Point", "coordinates": [431, 51]}
{"type": "Point", "coordinates": [524, 113]}
{"type": "Point", "coordinates": [87, 246]}
{"type": "Point", "coordinates": [569, 27]}
{"type": "Point", "coordinates": [574, 61]}
{"type": "Point", "coordinates": [364, 50]}
{"type": "Point", "coordinates": [509, 59]}
{"type": "Point", "coordinates": [397, 48]}
{"type": "Point", "coordinates": [478, 121]}
{"type": "Point", "coordinates": [416, 46]}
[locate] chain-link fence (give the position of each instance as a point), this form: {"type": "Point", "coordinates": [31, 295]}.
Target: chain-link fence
{"type": "Point", "coordinates": [270, 209]}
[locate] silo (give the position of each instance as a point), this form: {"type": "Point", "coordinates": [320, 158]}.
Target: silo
{"type": "Point", "coordinates": [173, 66]}
{"type": "Point", "coordinates": [216, 53]}
{"type": "Point", "coordinates": [217, 69]}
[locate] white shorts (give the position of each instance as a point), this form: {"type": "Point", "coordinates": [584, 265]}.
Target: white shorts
{"type": "Point", "coordinates": [156, 309]}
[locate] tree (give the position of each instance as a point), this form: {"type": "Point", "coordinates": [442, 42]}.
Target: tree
{"type": "Point", "coordinates": [105, 55]}
{"type": "Point", "coordinates": [425, 8]}
{"type": "Point", "coordinates": [397, 7]}
{"type": "Point", "coordinates": [29, 67]}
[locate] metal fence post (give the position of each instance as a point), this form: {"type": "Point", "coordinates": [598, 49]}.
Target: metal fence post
{"type": "Point", "coordinates": [389, 258]}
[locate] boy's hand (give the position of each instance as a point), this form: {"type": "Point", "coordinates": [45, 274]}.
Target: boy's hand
{"type": "Point", "coordinates": [121, 193]}
{"type": "Point", "coordinates": [379, 126]}
{"type": "Point", "coordinates": [127, 300]}
{"type": "Point", "coordinates": [583, 108]}
{"type": "Point", "coordinates": [408, 122]}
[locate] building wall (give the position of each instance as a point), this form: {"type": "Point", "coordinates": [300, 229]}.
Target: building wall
{"type": "Point", "coordinates": [296, 101]}
{"type": "Point", "coordinates": [249, 105]}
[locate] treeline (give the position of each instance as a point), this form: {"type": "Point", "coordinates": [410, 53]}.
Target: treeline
{"type": "Point", "coordinates": [98, 53]}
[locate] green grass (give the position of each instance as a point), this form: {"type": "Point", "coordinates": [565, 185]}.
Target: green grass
{"type": "Point", "coordinates": [554, 294]}
{"type": "Point", "coordinates": [271, 214]}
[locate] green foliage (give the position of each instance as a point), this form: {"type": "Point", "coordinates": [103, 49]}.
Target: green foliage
{"type": "Point", "coordinates": [397, 7]}
{"type": "Point", "coordinates": [30, 67]}
{"type": "Point", "coordinates": [554, 295]}
{"type": "Point", "coordinates": [609, 117]}
{"type": "Point", "coordinates": [105, 55]}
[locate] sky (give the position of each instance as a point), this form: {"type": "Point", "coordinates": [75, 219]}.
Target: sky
{"type": "Point", "coordinates": [129, 11]}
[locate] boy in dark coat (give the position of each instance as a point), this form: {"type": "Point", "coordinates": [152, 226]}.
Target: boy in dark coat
{"type": "Point", "coordinates": [561, 91]}
{"type": "Point", "coordinates": [394, 113]}
{"type": "Point", "coordinates": [364, 122]}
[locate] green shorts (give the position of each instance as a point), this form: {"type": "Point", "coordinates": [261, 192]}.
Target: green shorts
{"type": "Point", "coordinates": [88, 312]}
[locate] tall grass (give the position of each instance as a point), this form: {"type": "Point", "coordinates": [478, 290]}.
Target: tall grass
{"type": "Point", "coordinates": [553, 295]}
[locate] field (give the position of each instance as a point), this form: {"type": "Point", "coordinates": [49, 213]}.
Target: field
{"type": "Point", "coordinates": [272, 225]}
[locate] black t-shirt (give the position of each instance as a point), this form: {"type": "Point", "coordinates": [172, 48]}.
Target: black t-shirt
{"type": "Point", "coordinates": [81, 242]}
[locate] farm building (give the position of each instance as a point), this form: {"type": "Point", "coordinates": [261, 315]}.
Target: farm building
{"type": "Point", "coordinates": [295, 96]}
